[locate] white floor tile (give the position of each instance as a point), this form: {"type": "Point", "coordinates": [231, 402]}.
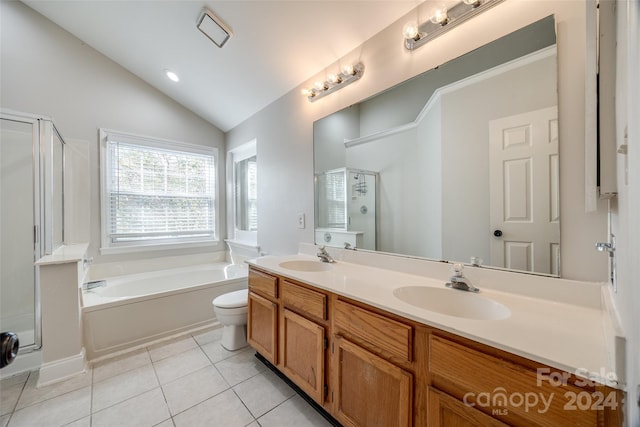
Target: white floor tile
{"type": "Point", "coordinates": [4, 420]}
{"type": "Point", "coordinates": [166, 423]}
{"type": "Point", "coordinates": [171, 348]}
{"type": "Point", "coordinates": [193, 388]}
{"type": "Point", "coordinates": [263, 392]}
{"type": "Point", "coordinates": [225, 409]}
{"type": "Point", "coordinates": [216, 352]}
{"type": "Point", "coordinates": [32, 395]}
{"type": "Point", "coordinates": [122, 387]}
{"type": "Point", "coordinates": [295, 412]}
{"type": "Point", "coordinates": [208, 336]}
{"type": "Point", "coordinates": [112, 367]}
{"type": "Point", "coordinates": [83, 422]}
{"type": "Point", "coordinates": [179, 365]}
{"type": "Point", "coordinates": [240, 367]}
{"type": "Point", "coordinates": [57, 411]}
{"type": "Point", "coordinates": [145, 410]}
{"type": "Point", "coordinates": [10, 390]}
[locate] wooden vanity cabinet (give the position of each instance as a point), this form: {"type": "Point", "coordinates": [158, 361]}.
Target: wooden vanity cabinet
{"type": "Point", "coordinates": [368, 367]}
{"type": "Point", "coordinates": [262, 314]}
{"type": "Point", "coordinates": [303, 342]}
{"type": "Point", "coordinates": [375, 375]}
{"type": "Point", "coordinates": [487, 386]}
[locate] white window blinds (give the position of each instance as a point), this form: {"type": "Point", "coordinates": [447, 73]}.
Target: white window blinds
{"type": "Point", "coordinates": [335, 193]}
{"type": "Point", "coordinates": [157, 193]}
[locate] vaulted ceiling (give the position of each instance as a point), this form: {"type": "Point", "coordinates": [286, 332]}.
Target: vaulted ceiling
{"type": "Point", "coordinates": [276, 45]}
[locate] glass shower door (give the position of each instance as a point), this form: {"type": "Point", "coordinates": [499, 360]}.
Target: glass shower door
{"type": "Point", "coordinates": [19, 248]}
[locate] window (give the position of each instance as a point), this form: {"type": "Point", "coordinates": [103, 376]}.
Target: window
{"type": "Point", "coordinates": [332, 196]}
{"type": "Point", "coordinates": [156, 192]}
{"type": "Point", "coordinates": [243, 174]}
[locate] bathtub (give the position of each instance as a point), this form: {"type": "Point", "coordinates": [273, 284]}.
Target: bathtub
{"type": "Point", "coordinates": [135, 309]}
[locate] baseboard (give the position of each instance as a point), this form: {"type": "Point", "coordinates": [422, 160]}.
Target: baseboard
{"type": "Point", "coordinates": [58, 370]}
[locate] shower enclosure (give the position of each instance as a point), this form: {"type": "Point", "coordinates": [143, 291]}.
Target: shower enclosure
{"type": "Point", "coordinates": [31, 217]}
{"type": "Point", "coordinates": [346, 208]}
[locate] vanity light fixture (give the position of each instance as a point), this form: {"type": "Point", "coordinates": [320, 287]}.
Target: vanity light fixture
{"type": "Point", "coordinates": [349, 74]}
{"type": "Point", "coordinates": [442, 20]}
{"type": "Point", "coordinates": [213, 27]}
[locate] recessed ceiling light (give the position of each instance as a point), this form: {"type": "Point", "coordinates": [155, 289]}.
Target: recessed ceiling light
{"type": "Point", "coordinates": [172, 76]}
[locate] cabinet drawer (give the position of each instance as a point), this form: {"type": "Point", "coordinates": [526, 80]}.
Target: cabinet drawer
{"type": "Point", "coordinates": [497, 386]}
{"type": "Point", "coordinates": [380, 332]}
{"type": "Point", "coordinates": [263, 283]}
{"type": "Point", "coordinates": [305, 300]}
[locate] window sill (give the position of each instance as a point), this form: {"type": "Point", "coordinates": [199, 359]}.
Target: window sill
{"type": "Point", "coordinates": [155, 247]}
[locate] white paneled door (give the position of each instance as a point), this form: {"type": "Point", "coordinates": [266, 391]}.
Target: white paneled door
{"type": "Point", "coordinates": [524, 187]}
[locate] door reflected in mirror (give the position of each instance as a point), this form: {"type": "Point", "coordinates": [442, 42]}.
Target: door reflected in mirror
{"type": "Point", "coordinates": [460, 152]}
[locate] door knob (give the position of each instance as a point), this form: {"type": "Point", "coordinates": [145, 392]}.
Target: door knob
{"type": "Point", "coordinates": [497, 233]}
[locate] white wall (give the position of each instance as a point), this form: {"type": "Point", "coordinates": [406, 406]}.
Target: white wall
{"type": "Point", "coordinates": [285, 128]}
{"type": "Point", "coordinates": [626, 209]}
{"type": "Point", "coordinates": [45, 70]}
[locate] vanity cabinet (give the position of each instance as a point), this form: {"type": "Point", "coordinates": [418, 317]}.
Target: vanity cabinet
{"type": "Point", "coordinates": [287, 324]}
{"type": "Point", "coordinates": [509, 388]}
{"type": "Point", "coordinates": [304, 341]}
{"type": "Point", "coordinates": [262, 314]}
{"type": "Point", "coordinates": [446, 411]}
{"type": "Point", "coordinates": [368, 367]}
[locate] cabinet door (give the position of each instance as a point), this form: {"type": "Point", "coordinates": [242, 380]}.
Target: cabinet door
{"type": "Point", "coordinates": [303, 354]}
{"type": "Point", "coordinates": [262, 327]}
{"type": "Point", "coordinates": [446, 411]}
{"type": "Point", "coordinates": [369, 391]}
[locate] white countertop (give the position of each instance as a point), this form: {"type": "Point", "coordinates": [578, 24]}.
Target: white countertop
{"type": "Point", "coordinates": [559, 334]}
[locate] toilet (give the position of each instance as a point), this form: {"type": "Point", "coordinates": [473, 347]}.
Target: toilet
{"type": "Point", "coordinates": [231, 311]}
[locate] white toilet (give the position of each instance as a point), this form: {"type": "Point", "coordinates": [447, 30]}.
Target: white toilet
{"type": "Point", "coordinates": [231, 311]}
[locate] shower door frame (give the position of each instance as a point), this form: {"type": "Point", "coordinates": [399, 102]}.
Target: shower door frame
{"type": "Point", "coordinates": [38, 195]}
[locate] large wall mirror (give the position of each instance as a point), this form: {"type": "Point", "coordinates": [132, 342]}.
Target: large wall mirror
{"type": "Point", "coordinates": [459, 163]}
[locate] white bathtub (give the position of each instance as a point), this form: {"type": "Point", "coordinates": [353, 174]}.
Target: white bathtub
{"type": "Point", "coordinates": [135, 309]}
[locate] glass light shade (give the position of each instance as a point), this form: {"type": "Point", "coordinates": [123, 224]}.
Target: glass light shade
{"type": "Point", "coordinates": [440, 16]}
{"type": "Point", "coordinates": [347, 70]}
{"type": "Point", "coordinates": [410, 30]}
{"type": "Point", "coordinates": [333, 78]}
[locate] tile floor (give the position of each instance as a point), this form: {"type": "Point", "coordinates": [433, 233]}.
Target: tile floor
{"type": "Point", "coordinates": [192, 381]}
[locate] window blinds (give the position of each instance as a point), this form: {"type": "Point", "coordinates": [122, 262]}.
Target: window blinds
{"type": "Point", "coordinates": [159, 194]}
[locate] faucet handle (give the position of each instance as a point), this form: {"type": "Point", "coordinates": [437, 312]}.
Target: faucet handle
{"type": "Point", "coordinates": [457, 269]}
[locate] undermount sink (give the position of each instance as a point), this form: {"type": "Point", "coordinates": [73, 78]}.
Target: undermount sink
{"type": "Point", "coordinates": [304, 265]}
{"type": "Point", "coordinates": [452, 302]}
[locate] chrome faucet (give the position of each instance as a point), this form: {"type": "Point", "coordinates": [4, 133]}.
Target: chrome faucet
{"type": "Point", "coordinates": [87, 286]}
{"type": "Point", "coordinates": [324, 255]}
{"type": "Point", "coordinates": [458, 281]}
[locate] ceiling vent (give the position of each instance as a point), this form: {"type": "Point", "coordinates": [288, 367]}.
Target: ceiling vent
{"type": "Point", "coordinates": [213, 27]}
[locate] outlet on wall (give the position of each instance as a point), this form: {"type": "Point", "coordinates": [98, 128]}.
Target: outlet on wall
{"type": "Point", "coordinates": [301, 222]}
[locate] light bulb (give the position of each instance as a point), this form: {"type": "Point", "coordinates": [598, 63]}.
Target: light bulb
{"type": "Point", "coordinates": [306, 92]}
{"type": "Point", "coordinates": [410, 30]}
{"type": "Point", "coordinates": [474, 3]}
{"type": "Point", "coordinates": [440, 16]}
{"type": "Point", "coordinates": [333, 78]}
{"type": "Point", "coordinates": [347, 70]}
{"type": "Point", "coordinates": [319, 85]}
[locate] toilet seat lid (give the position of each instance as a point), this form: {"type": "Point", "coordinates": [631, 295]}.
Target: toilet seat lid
{"type": "Point", "coordinates": [233, 299]}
